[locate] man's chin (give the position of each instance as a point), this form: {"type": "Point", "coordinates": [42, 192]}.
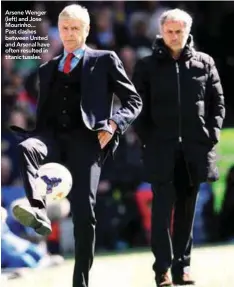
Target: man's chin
{"type": "Point", "coordinates": [70, 48]}
{"type": "Point", "coordinates": [176, 48]}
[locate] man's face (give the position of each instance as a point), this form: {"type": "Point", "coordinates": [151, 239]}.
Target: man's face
{"type": "Point", "coordinates": [73, 33]}
{"type": "Point", "coordinates": [174, 34]}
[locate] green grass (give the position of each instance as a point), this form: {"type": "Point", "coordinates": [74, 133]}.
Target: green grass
{"type": "Point", "coordinates": [225, 160]}
{"type": "Point", "coordinates": [211, 267]}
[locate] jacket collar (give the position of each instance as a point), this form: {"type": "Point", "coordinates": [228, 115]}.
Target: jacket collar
{"type": "Point", "coordinates": [162, 51]}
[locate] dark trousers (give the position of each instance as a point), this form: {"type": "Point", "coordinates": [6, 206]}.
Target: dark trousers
{"type": "Point", "coordinates": [173, 211]}
{"type": "Point", "coordinates": [80, 152]}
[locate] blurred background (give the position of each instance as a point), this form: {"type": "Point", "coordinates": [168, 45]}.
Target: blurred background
{"type": "Point", "coordinates": [124, 200]}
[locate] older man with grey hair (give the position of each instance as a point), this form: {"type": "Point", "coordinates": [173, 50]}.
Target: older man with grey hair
{"type": "Point", "coordinates": [179, 127]}
{"type": "Point", "coordinates": [76, 126]}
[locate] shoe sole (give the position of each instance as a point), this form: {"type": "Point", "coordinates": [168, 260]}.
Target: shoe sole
{"type": "Point", "coordinates": [27, 218]}
{"type": "Point", "coordinates": [184, 284]}
{"type": "Point", "coordinates": [167, 285]}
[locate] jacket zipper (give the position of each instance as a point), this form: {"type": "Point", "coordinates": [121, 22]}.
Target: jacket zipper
{"type": "Point", "coordinates": [179, 100]}
{"type": "Point", "coordinates": [180, 124]}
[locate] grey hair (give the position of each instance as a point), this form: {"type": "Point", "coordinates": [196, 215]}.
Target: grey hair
{"type": "Point", "coordinates": [75, 11]}
{"type": "Point", "coordinates": [176, 15]}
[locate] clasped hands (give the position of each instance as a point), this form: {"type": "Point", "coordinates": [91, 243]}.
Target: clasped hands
{"type": "Point", "coordinates": [104, 137]}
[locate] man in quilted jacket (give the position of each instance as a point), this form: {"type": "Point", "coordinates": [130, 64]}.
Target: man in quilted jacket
{"type": "Point", "coordinates": [179, 127]}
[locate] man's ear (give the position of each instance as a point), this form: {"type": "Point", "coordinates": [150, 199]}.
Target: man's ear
{"type": "Point", "coordinates": [87, 30]}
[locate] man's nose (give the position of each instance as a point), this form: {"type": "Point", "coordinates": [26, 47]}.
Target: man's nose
{"type": "Point", "coordinates": [174, 36]}
{"type": "Point", "coordinates": [70, 32]}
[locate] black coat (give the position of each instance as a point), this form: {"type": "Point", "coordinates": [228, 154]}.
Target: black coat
{"type": "Point", "coordinates": [182, 101]}
{"type": "Point", "coordinates": [102, 76]}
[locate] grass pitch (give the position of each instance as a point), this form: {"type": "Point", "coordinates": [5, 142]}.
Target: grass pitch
{"type": "Point", "coordinates": [211, 267]}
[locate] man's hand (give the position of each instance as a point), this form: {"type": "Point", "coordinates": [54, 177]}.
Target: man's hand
{"type": "Point", "coordinates": [104, 137]}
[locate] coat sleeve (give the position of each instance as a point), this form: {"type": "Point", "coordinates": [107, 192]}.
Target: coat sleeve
{"type": "Point", "coordinates": [141, 82]}
{"type": "Point", "coordinates": [216, 112]}
{"type": "Point", "coordinates": [123, 88]}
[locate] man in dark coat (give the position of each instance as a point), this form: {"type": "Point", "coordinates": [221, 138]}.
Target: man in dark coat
{"type": "Point", "coordinates": [183, 112]}
{"type": "Point", "coordinates": [76, 127]}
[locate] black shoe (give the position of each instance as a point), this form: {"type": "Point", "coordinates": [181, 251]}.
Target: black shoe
{"type": "Point", "coordinates": [33, 217]}
{"type": "Point", "coordinates": [183, 279]}
{"type": "Point", "coordinates": [163, 279]}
